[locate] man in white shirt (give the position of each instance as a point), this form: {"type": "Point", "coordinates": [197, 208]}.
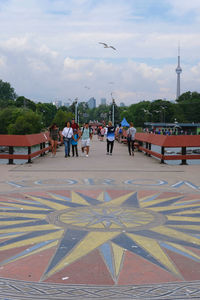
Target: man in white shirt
{"type": "Point", "coordinates": [131, 138]}
{"type": "Point", "coordinates": [67, 134]}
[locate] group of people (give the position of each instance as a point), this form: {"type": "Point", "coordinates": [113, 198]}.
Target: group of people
{"type": "Point", "coordinates": [71, 134]}
{"type": "Point", "coordinates": [110, 134]}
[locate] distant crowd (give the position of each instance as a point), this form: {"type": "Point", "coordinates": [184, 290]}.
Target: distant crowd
{"type": "Point", "coordinates": [72, 133]}
{"type": "Point", "coordinates": [169, 131]}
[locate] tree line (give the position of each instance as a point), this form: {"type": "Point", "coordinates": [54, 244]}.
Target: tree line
{"type": "Point", "coordinates": [19, 115]}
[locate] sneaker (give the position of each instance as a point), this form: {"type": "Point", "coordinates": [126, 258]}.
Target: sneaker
{"type": "Point", "coordinates": [110, 153]}
{"type": "Point", "coordinates": [66, 155]}
{"type": "Point", "coordinates": [86, 155]}
{"type": "Point", "coordinates": [107, 153]}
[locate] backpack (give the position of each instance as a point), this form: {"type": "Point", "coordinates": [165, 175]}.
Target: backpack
{"type": "Point", "coordinates": [90, 130]}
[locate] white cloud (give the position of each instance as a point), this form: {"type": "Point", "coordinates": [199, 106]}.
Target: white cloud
{"type": "Point", "coordinates": [2, 61]}
{"type": "Point", "coordinates": [15, 43]}
{"type": "Point", "coordinates": [180, 7]}
{"type": "Point", "coordinates": [196, 70]}
{"type": "Point", "coordinates": [51, 49]}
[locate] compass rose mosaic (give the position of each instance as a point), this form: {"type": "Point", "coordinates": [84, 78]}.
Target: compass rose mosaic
{"type": "Point", "coordinates": [100, 237]}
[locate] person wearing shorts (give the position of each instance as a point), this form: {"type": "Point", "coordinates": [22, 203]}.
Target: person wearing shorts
{"type": "Point", "coordinates": [86, 136]}
{"type": "Point", "coordinates": [54, 135]}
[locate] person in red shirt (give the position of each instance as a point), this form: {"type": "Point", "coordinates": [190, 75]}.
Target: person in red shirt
{"type": "Point", "coordinates": [74, 125]}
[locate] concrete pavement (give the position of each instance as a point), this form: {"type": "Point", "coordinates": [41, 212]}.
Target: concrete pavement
{"type": "Point", "coordinates": [106, 227]}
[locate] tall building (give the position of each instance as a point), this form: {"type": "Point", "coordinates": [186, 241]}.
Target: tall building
{"type": "Point", "coordinates": [103, 101]}
{"type": "Point", "coordinates": [178, 72]}
{"type": "Point", "coordinates": [91, 103]}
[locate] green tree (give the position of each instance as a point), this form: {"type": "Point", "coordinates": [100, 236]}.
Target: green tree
{"type": "Point", "coordinates": [189, 105]}
{"type": "Point", "coordinates": [47, 111]}
{"type": "Point", "coordinates": [28, 122]}
{"type": "Point", "coordinates": [162, 111]}
{"type": "Point", "coordinates": [6, 91]}
{"type": "Point", "coordinates": [184, 96]}
{"type": "Point", "coordinates": [6, 103]}
{"type": "Point", "coordinates": [25, 103]}
{"type": "Point", "coordinates": [62, 117]}
{"type": "Point", "coordinates": [8, 116]}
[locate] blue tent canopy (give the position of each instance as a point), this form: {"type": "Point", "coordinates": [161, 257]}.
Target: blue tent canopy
{"type": "Point", "coordinates": [124, 123]}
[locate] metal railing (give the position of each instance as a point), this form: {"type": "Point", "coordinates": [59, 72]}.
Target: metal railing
{"type": "Point", "coordinates": [11, 141]}
{"type": "Point", "coordinates": [146, 140]}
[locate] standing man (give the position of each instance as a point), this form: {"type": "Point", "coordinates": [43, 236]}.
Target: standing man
{"type": "Point", "coordinates": [74, 125]}
{"type": "Point", "coordinates": [131, 138]}
{"type": "Point", "coordinates": [86, 136]}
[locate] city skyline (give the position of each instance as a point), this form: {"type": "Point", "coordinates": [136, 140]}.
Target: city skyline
{"type": "Point", "coordinates": [50, 50]}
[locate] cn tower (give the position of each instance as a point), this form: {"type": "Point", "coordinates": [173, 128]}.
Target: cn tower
{"type": "Point", "coordinates": [178, 72]}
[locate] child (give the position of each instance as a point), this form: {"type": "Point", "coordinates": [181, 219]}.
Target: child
{"type": "Point", "coordinates": [74, 142]}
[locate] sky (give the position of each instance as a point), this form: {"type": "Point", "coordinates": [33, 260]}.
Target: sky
{"type": "Point", "coordinates": [49, 49]}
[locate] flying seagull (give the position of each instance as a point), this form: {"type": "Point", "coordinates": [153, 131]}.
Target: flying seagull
{"type": "Point", "coordinates": [106, 46]}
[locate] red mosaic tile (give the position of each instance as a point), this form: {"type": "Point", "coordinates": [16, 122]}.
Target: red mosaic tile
{"type": "Point", "coordinates": [189, 268]}
{"type": "Point", "coordinates": [29, 268]}
{"type": "Point", "coordinates": [90, 269]}
{"type": "Point", "coordinates": [137, 270]}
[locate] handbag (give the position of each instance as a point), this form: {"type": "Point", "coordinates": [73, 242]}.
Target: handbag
{"type": "Point", "coordinates": [66, 139]}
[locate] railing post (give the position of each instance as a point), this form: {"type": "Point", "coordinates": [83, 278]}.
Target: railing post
{"type": "Point", "coordinates": [141, 145]}
{"type": "Point", "coordinates": [29, 152]}
{"type": "Point", "coordinates": [183, 152]}
{"type": "Point", "coordinates": [149, 149]}
{"type": "Point", "coordinates": [44, 147]}
{"type": "Point", "coordinates": [163, 153]}
{"type": "Point", "coordinates": [41, 146]}
{"type": "Point", "coordinates": [11, 151]}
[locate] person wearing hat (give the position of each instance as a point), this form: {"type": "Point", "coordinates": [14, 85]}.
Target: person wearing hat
{"type": "Point", "coordinates": [74, 142]}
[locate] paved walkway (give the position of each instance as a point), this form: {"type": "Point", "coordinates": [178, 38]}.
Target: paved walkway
{"type": "Point", "coordinates": [102, 227]}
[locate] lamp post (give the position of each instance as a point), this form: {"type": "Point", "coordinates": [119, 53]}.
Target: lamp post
{"type": "Point", "coordinates": [76, 109]}
{"type": "Point", "coordinates": [109, 115]}
{"type": "Point", "coordinates": [113, 110]}
{"type": "Point", "coordinates": [78, 116]}
{"type": "Point", "coordinates": [163, 114]}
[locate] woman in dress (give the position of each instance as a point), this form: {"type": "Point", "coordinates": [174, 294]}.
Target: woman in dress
{"type": "Point", "coordinates": [54, 137]}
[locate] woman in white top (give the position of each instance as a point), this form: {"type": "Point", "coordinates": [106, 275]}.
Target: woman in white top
{"type": "Point", "coordinates": [67, 134]}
